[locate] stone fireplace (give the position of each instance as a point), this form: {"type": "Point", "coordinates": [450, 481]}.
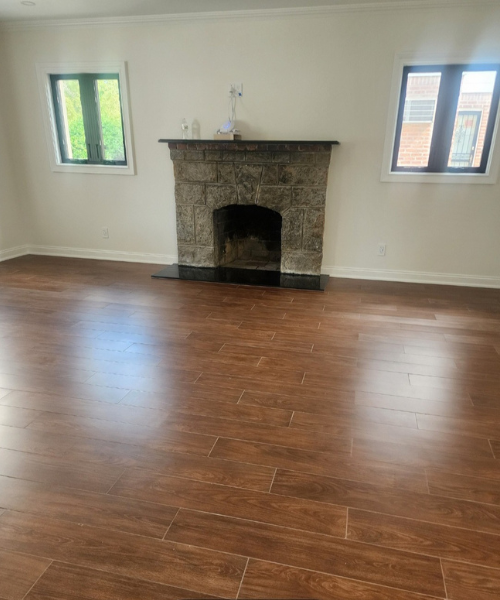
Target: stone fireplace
{"type": "Point", "coordinates": [249, 205]}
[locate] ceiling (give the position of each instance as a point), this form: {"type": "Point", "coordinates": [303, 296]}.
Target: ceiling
{"type": "Point", "coordinates": [14, 10]}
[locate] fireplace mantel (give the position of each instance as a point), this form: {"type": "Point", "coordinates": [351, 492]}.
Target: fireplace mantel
{"type": "Point", "coordinates": [263, 145]}
{"type": "Point", "coordinates": [288, 177]}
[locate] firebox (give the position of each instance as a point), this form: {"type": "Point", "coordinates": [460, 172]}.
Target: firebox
{"type": "Point", "coordinates": [247, 237]}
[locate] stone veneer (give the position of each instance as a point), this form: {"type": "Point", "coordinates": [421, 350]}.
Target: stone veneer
{"type": "Point", "coordinates": [287, 177]}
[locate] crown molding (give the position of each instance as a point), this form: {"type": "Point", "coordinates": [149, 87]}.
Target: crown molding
{"type": "Point", "coordinates": [245, 14]}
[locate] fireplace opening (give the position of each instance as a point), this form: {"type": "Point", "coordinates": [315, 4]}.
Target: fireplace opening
{"type": "Point", "coordinates": [247, 237]}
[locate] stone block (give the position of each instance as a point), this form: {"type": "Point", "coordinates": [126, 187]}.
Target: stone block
{"type": "Point", "coordinates": [248, 173]}
{"type": "Point", "coordinates": [314, 225]}
{"type": "Point", "coordinates": [177, 154]}
{"type": "Point", "coordinates": [277, 198]}
{"type": "Point", "coordinates": [326, 147]}
{"type": "Point", "coordinates": [259, 157]}
{"type": "Point", "coordinates": [189, 193]}
{"type": "Point", "coordinates": [323, 158]}
{"type": "Point", "coordinates": [195, 171]}
{"type": "Point", "coordinates": [291, 229]}
{"type": "Point", "coordinates": [301, 262]}
{"type": "Point", "coordinates": [225, 173]}
{"type": "Point", "coordinates": [185, 223]}
{"type": "Point", "coordinates": [248, 180]}
{"type": "Point", "coordinates": [196, 256]}
{"type": "Point", "coordinates": [247, 193]}
{"type": "Point", "coordinates": [204, 225]}
{"type": "Point", "coordinates": [194, 155]}
{"type": "Point", "coordinates": [221, 195]}
{"type": "Point", "coordinates": [213, 155]}
{"type": "Point", "coordinates": [303, 175]}
{"type": "Point", "coordinates": [303, 158]}
{"type": "Point", "coordinates": [233, 156]}
{"type": "Point", "coordinates": [308, 196]}
{"type": "Point", "coordinates": [269, 175]}
{"type": "Point", "coordinates": [281, 157]}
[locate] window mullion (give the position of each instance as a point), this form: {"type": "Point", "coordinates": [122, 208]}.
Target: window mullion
{"type": "Point", "coordinates": [399, 124]}
{"type": "Point", "coordinates": [491, 121]}
{"type": "Point", "coordinates": [56, 96]}
{"type": "Point", "coordinates": [90, 119]}
{"type": "Point", "coordinates": [446, 109]}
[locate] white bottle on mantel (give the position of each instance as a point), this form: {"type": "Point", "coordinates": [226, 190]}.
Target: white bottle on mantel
{"type": "Point", "coordinates": [185, 129]}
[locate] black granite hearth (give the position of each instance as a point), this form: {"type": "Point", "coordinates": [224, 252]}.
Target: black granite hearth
{"type": "Point", "coordinates": [244, 277]}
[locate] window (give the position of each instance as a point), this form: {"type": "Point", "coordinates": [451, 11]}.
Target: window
{"type": "Point", "coordinates": [445, 120]}
{"type": "Point", "coordinates": [443, 133]}
{"type": "Point", "coordinates": [86, 118]}
{"type": "Point", "coordinates": [88, 113]}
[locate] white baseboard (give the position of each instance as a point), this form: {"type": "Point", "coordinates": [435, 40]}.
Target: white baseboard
{"type": "Point", "coordinates": [117, 255]}
{"type": "Point", "coordinates": [14, 252]}
{"type": "Point", "coordinates": [413, 277]}
{"type": "Point", "coordinates": [341, 272]}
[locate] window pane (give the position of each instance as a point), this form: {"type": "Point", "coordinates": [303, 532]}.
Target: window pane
{"type": "Point", "coordinates": [474, 103]}
{"type": "Point", "coordinates": [111, 119]}
{"type": "Point", "coordinates": [72, 119]}
{"type": "Point", "coordinates": [418, 119]}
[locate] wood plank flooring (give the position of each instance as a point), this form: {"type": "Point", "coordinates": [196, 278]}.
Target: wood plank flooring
{"type": "Point", "coordinates": [176, 440]}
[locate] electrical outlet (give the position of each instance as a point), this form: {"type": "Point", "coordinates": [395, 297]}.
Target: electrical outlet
{"type": "Point", "coordinates": [381, 249]}
{"type": "Point", "coordinates": [105, 233]}
{"type": "Point", "coordinates": [236, 89]}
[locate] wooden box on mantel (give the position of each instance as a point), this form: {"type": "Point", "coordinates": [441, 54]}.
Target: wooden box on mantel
{"type": "Point", "coordinates": [227, 136]}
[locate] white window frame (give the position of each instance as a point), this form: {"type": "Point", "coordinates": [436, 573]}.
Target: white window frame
{"type": "Point", "coordinates": [44, 70]}
{"type": "Point", "coordinates": [387, 175]}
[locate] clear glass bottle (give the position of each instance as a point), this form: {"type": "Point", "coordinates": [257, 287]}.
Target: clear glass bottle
{"type": "Point", "coordinates": [185, 129]}
{"type": "Point", "coordinates": [195, 129]}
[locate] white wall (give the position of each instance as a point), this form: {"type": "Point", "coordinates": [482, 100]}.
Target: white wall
{"type": "Point", "coordinates": [14, 233]}
{"type": "Point", "coordinates": [305, 77]}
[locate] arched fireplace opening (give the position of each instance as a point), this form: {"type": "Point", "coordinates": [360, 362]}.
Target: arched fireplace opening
{"type": "Point", "coordinates": [247, 237]}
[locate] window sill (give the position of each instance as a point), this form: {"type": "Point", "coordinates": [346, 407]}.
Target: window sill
{"type": "Point", "coordinates": [93, 169]}
{"type": "Point", "coordinates": [465, 178]}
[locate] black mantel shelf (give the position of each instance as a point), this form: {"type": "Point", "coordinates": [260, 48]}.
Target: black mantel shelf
{"type": "Point", "coordinates": [280, 142]}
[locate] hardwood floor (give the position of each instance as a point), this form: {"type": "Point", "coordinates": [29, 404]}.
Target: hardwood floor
{"type": "Point", "coordinates": [170, 439]}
